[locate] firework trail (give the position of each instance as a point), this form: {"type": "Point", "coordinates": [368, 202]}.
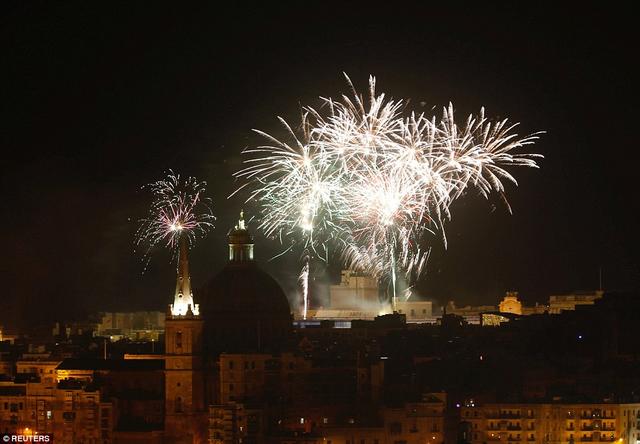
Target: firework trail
{"type": "Point", "coordinates": [179, 214]}
{"type": "Point", "coordinates": [371, 180]}
{"type": "Point", "coordinates": [304, 282]}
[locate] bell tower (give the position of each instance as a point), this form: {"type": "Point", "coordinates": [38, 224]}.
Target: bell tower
{"type": "Point", "coordinates": [185, 412]}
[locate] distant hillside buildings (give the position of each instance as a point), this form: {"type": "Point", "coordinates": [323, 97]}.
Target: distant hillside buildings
{"type": "Point", "coordinates": [237, 369]}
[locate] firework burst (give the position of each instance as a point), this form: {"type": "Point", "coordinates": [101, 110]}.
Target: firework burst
{"type": "Point", "coordinates": [370, 180]}
{"type": "Point", "coordinates": [179, 213]}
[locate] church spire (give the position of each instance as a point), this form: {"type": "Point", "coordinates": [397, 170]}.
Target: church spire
{"type": "Point", "coordinates": [183, 299]}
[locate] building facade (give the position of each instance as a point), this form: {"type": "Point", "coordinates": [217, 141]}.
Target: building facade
{"type": "Point", "coordinates": [72, 412]}
{"type": "Point", "coordinates": [552, 423]}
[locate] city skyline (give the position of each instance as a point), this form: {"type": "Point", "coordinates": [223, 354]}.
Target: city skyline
{"type": "Point", "coordinates": [101, 104]}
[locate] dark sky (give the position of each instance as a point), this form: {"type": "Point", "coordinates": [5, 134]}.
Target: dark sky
{"type": "Point", "coordinates": [100, 98]}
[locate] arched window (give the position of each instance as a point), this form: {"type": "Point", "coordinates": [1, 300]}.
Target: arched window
{"type": "Point", "coordinates": [179, 339]}
{"type": "Point", "coordinates": [178, 404]}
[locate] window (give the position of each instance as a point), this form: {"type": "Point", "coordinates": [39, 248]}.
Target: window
{"type": "Point", "coordinates": [179, 339]}
{"type": "Point", "coordinates": [230, 387]}
{"type": "Point", "coordinates": [178, 404]}
{"type": "Point", "coordinates": [230, 365]}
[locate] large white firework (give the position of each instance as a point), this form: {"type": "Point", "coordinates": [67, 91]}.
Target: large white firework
{"type": "Point", "coordinates": [371, 179]}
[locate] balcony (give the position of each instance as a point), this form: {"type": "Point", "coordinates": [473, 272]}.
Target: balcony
{"type": "Point", "coordinates": [506, 415]}
{"type": "Point", "coordinates": [514, 427]}
{"type": "Point", "coordinates": [586, 439]}
{"type": "Point", "coordinates": [587, 428]}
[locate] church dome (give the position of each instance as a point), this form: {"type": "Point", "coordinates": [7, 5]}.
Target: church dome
{"type": "Point", "coordinates": [243, 290]}
{"type": "Point", "coordinates": [243, 307]}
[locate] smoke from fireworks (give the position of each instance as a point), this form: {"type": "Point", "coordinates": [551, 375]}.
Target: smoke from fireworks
{"type": "Point", "coordinates": [178, 213]}
{"type": "Point", "coordinates": [371, 180]}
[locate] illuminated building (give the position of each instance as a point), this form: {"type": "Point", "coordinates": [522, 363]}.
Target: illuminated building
{"type": "Point", "coordinates": [357, 297]}
{"type": "Point", "coordinates": [471, 314]}
{"type": "Point", "coordinates": [419, 422]}
{"type": "Point", "coordinates": [138, 325]}
{"type": "Point", "coordinates": [184, 377]}
{"type": "Point", "coordinates": [287, 398]}
{"type": "Point", "coordinates": [44, 369]}
{"type": "Point", "coordinates": [493, 319]}
{"type": "Point", "coordinates": [552, 423]}
{"type": "Point", "coordinates": [510, 303]}
{"type": "Point", "coordinates": [242, 308]}
{"type": "Point", "coordinates": [490, 314]}
{"type": "Point", "coordinates": [71, 411]}
{"type": "Point", "coordinates": [354, 290]}
{"type": "Point", "coordinates": [6, 337]}
{"type": "Point", "coordinates": [183, 299]}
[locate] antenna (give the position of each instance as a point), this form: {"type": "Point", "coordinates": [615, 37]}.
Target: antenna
{"type": "Point", "coordinates": [600, 278]}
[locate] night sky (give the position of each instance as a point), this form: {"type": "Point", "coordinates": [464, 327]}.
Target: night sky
{"type": "Point", "coordinates": [100, 98]}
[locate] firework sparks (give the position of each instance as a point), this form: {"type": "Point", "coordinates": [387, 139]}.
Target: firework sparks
{"type": "Point", "coordinates": [372, 181]}
{"type": "Point", "coordinates": [178, 213]}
